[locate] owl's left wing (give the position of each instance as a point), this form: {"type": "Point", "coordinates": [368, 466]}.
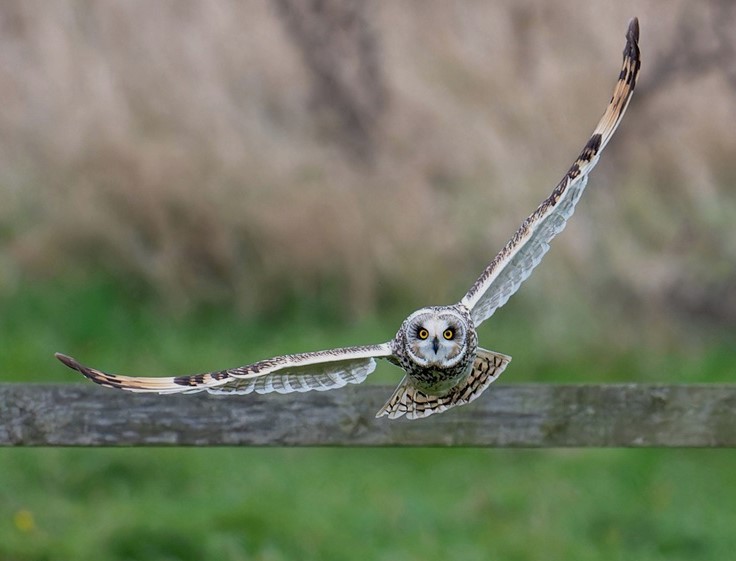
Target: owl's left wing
{"type": "Point", "coordinates": [321, 370]}
{"type": "Point", "coordinates": [502, 278]}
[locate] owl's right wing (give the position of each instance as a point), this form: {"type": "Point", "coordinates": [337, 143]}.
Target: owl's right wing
{"type": "Point", "coordinates": [503, 276]}
{"type": "Point", "coordinates": [320, 371]}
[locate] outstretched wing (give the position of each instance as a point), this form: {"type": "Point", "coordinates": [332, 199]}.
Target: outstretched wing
{"type": "Point", "coordinates": [525, 250]}
{"type": "Point", "coordinates": [321, 370]}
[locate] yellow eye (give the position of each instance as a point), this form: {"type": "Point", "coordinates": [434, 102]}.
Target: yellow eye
{"type": "Point", "coordinates": [423, 333]}
{"type": "Point", "coordinates": [449, 334]}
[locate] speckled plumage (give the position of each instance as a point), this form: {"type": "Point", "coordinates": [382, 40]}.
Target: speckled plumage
{"type": "Point", "coordinates": [436, 346]}
{"type": "Point", "coordinates": [436, 377]}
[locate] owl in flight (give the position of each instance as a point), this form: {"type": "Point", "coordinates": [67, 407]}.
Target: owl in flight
{"type": "Point", "coordinates": [436, 346]}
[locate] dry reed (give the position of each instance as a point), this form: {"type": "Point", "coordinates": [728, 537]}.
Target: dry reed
{"type": "Point", "coordinates": [178, 145]}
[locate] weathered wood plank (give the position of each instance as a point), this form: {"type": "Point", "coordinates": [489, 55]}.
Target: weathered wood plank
{"type": "Point", "coordinates": [507, 415]}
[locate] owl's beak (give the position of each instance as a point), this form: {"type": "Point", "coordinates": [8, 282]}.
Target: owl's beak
{"type": "Point", "coordinates": [436, 344]}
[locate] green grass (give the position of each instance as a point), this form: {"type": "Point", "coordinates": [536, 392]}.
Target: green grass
{"type": "Point", "coordinates": [325, 504]}
{"type": "Point", "coordinates": [366, 504]}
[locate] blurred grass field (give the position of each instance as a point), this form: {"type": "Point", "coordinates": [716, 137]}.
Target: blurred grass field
{"type": "Point", "coordinates": [325, 504]}
{"type": "Point", "coordinates": [392, 504]}
{"type": "Point", "coordinates": [180, 192]}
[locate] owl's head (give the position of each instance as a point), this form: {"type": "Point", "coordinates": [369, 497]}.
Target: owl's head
{"type": "Point", "coordinates": [436, 336]}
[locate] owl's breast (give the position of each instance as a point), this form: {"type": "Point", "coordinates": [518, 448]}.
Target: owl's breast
{"type": "Point", "coordinates": [438, 380]}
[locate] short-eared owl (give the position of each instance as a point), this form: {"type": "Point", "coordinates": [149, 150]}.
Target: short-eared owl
{"type": "Point", "coordinates": [436, 346]}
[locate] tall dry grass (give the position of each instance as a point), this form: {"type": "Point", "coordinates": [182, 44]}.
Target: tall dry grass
{"type": "Point", "coordinates": [178, 146]}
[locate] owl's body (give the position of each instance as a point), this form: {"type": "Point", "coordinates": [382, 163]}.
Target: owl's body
{"type": "Point", "coordinates": [437, 346]}
{"type": "Point", "coordinates": [438, 349]}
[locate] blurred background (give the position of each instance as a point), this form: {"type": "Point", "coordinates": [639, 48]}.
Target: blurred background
{"type": "Point", "coordinates": [188, 186]}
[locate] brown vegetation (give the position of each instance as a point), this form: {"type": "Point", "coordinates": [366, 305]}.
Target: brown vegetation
{"type": "Point", "coordinates": [204, 151]}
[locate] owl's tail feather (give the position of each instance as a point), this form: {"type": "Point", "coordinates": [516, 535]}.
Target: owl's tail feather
{"type": "Point", "coordinates": [415, 404]}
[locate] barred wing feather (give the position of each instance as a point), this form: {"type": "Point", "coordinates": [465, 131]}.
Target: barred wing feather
{"type": "Point", "coordinates": [515, 262]}
{"type": "Point", "coordinates": [320, 371]}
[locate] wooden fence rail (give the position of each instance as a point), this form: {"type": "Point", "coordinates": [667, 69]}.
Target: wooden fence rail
{"type": "Point", "coordinates": [505, 416]}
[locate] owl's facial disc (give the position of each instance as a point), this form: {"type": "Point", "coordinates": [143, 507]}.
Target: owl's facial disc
{"type": "Point", "coordinates": [436, 340]}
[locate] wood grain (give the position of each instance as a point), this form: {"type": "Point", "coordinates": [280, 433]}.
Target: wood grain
{"type": "Point", "coordinates": [627, 415]}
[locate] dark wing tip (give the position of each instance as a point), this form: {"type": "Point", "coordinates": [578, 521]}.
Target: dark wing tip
{"type": "Point", "coordinates": [98, 377]}
{"type": "Point", "coordinates": [68, 361]}
{"type": "Point", "coordinates": [632, 54]}
{"type": "Point", "coordinates": [632, 40]}
{"type": "Point", "coordinates": [632, 34]}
